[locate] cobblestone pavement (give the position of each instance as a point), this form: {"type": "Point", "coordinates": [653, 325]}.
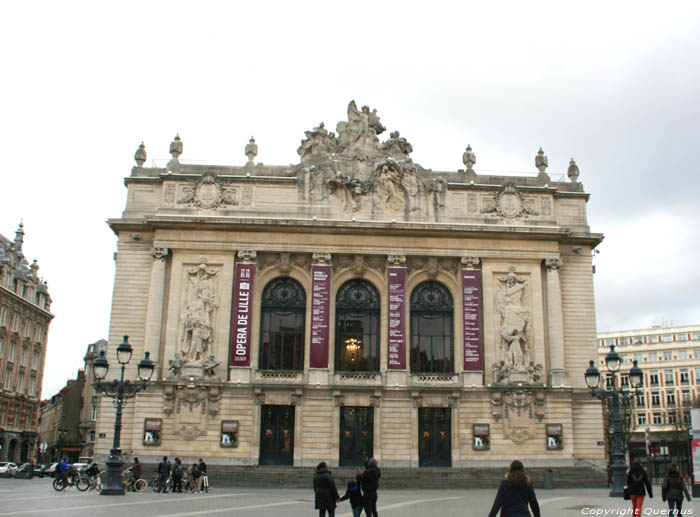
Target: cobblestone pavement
{"type": "Point", "coordinates": [21, 497]}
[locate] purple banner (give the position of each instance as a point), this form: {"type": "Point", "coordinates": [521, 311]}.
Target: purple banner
{"type": "Point", "coordinates": [320, 315]}
{"type": "Point", "coordinates": [242, 316]}
{"type": "Point", "coordinates": [471, 301]}
{"type": "Point", "coordinates": [397, 324]}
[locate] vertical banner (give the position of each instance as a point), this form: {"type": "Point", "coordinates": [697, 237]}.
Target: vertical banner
{"type": "Point", "coordinates": [471, 301]}
{"type": "Point", "coordinates": [320, 315]}
{"type": "Point", "coordinates": [397, 324]}
{"type": "Point", "coordinates": [695, 459]}
{"type": "Point", "coordinates": [242, 317]}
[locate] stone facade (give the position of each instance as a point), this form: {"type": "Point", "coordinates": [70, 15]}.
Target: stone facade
{"type": "Point", "coordinates": [24, 326]}
{"type": "Point", "coordinates": [355, 303]}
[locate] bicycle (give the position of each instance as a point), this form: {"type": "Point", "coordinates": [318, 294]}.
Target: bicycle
{"type": "Point", "coordinates": [156, 485]}
{"type": "Point", "coordinates": [96, 482]}
{"type": "Point", "coordinates": [132, 485]}
{"type": "Point", "coordinates": [71, 478]}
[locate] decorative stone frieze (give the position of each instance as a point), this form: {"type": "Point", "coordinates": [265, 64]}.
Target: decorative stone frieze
{"type": "Point", "coordinates": [553, 263]}
{"type": "Point", "coordinates": [321, 258]}
{"type": "Point", "coordinates": [509, 203]}
{"type": "Point", "coordinates": [247, 256]}
{"type": "Point", "coordinates": [520, 410]}
{"type": "Point", "coordinates": [191, 404]}
{"type": "Point", "coordinates": [470, 262]}
{"type": "Point", "coordinates": [396, 259]}
{"type": "Point", "coordinates": [159, 253]}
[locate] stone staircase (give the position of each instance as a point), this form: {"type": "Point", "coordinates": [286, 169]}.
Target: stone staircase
{"type": "Point", "coordinates": [301, 477]}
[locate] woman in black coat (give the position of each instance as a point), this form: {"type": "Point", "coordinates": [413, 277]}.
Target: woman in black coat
{"type": "Point", "coordinates": [326, 493]}
{"type": "Point", "coordinates": [514, 494]}
{"type": "Point", "coordinates": [637, 483]}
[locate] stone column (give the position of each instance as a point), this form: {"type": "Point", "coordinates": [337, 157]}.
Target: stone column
{"type": "Point", "coordinates": [156, 300]}
{"type": "Point", "coordinates": [558, 376]}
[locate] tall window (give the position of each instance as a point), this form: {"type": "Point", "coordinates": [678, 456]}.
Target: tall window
{"type": "Point", "coordinates": [432, 312]}
{"type": "Point", "coordinates": [357, 309]}
{"type": "Point", "coordinates": [668, 377]}
{"type": "Point", "coordinates": [642, 419]}
{"type": "Point", "coordinates": [653, 378]}
{"type": "Point", "coordinates": [12, 351]}
{"type": "Point", "coordinates": [283, 315]}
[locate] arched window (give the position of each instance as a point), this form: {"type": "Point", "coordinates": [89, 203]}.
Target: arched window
{"type": "Point", "coordinates": [431, 328]}
{"type": "Point", "coordinates": [357, 327]}
{"type": "Point", "coordinates": [282, 324]}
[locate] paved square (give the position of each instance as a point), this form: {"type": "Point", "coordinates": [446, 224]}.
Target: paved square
{"type": "Point", "coordinates": [21, 497]}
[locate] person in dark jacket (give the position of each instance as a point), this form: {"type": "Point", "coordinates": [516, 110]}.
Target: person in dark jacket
{"type": "Point", "coordinates": [326, 494]}
{"type": "Point", "coordinates": [163, 474]}
{"type": "Point", "coordinates": [353, 493]}
{"type": "Point", "coordinates": [672, 489]}
{"type": "Point", "coordinates": [637, 481]}
{"type": "Point", "coordinates": [514, 494]}
{"type": "Point", "coordinates": [369, 482]}
{"type": "Point", "coordinates": [178, 472]}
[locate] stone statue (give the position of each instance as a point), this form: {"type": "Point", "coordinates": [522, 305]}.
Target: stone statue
{"type": "Point", "coordinates": [251, 150]}
{"type": "Point", "coordinates": [469, 158]}
{"type": "Point", "coordinates": [359, 134]}
{"type": "Point", "coordinates": [199, 311]}
{"type": "Point", "coordinates": [397, 147]}
{"type": "Point", "coordinates": [175, 365]}
{"type": "Point", "coordinates": [140, 156]}
{"type": "Point", "coordinates": [390, 189]}
{"type": "Point", "coordinates": [573, 171]}
{"type": "Point", "coordinates": [515, 318]}
{"type": "Point", "coordinates": [209, 364]}
{"type": "Point", "coordinates": [541, 161]}
{"type": "Point", "coordinates": [319, 143]}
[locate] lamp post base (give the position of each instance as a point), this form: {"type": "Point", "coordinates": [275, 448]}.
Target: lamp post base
{"type": "Point", "coordinates": [115, 465]}
{"type": "Point", "coordinates": [619, 478]}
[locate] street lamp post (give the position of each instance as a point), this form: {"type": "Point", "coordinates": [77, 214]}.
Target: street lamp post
{"type": "Point", "coordinates": [119, 390]}
{"type": "Point", "coordinates": [613, 397]}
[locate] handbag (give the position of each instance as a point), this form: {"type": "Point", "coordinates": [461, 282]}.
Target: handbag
{"type": "Point", "coordinates": [626, 493]}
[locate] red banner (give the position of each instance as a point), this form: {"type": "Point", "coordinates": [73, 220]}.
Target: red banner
{"type": "Point", "coordinates": [320, 315]}
{"type": "Point", "coordinates": [471, 301]}
{"type": "Point", "coordinates": [242, 317]}
{"type": "Point", "coordinates": [695, 458]}
{"type": "Point", "coordinates": [397, 323]}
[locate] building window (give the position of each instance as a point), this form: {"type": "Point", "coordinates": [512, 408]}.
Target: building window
{"type": "Point", "coordinates": [686, 399]}
{"type": "Point", "coordinates": [431, 328]}
{"type": "Point", "coordinates": [637, 340]}
{"type": "Point", "coordinates": [684, 377]}
{"type": "Point", "coordinates": [282, 322]}
{"type": "Point", "coordinates": [357, 327]}
{"type": "Point", "coordinates": [697, 375]}
{"type": "Point", "coordinates": [641, 400]}
{"type": "Point", "coordinates": [671, 417]}
{"type": "Point", "coordinates": [93, 416]}
{"type": "Point", "coordinates": [92, 436]}
{"type": "Point", "coordinates": [8, 378]}
{"type": "Point", "coordinates": [695, 336]}
{"type": "Point", "coordinates": [2, 346]}
{"type": "Point", "coordinates": [682, 354]}
{"type": "Point", "coordinates": [653, 357]}
{"type": "Point", "coordinates": [638, 358]}
{"type": "Point", "coordinates": [624, 381]}
{"type": "Point", "coordinates": [686, 418]}
{"type": "Point", "coordinates": [667, 338]}
{"type": "Point", "coordinates": [32, 386]}
{"type": "Point", "coordinates": [671, 399]}
{"type": "Point", "coordinates": [609, 381]}
{"type": "Point", "coordinates": [16, 322]}
{"type": "Point", "coordinates": [681, 337]}
{"type": "Point", "coordinates": [27, 327]}
{"type": "Point", "coordinates": [624, 359]}
{"type": "Point", "coordinates": [35, 360]}
{"type": "Point", "coordinates": [668, 377]}
{"type": "Point", "coordinates": [609, 342]}
{"type": "Point", "coordinates": [20, 382]}
{"type": "Point", "coordinates": [3, 316]}
{"type": "Point", "coordinates": [656, 419]}
{"type": "Point", "coordinates": [25, 356]}
{"type": "Point", "coordinates": [696, 353]}
{"type": "Point", "coordinates": [653, 378]}
{"type": "Point", "coordinates": [655, 399]}
{"type": "Point", "coordinates": [12, 351]}
{"type": "Point", "coordinates": [624, 341]}
{"type": "Point", "coordinates": [668, 356]}
{"type": "Point", "coordinates": [652, 339]}
{"type": "Point", "coordinates": [642, 419]}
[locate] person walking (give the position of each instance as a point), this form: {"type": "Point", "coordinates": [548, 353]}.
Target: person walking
{"type": "Point", "coordinates": [515, 493]}
{"type": "Point", "coordinates": [353, 493]}
{"type": "Point", "coordinates": [325, 493]}
{"type": "Point", "coordinates": [672, 489]}
{"type": "Point", "coordinates": [203, 479]}
{"type": "Point", "coordinates": [178, 471]}
{"type": "Point", "coordinates": [637, 482]}
{"type": "Point", "coordinates": [195, 474]}
{"type": "Point", "coordinates": [163, 474]}
{"type": "Point", "coordinates": [369, 483]}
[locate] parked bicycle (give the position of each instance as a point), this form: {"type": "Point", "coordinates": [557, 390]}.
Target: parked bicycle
{"type": "Point", "coordinates": [133, 485]}
{"type": "Point", "coordinates": [156, 486]}
{"type": "Point", "coordinates": [71, 478]}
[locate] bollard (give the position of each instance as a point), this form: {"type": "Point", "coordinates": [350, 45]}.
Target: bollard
{"type": "Point", "coordinates": [548, 479]}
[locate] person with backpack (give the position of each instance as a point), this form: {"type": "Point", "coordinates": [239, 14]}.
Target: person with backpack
{"type": "Point", "coordinates": [178, 472]}
{"type": "Point", "coordinates": [672, 489]}
{"type": "Point", "coordinates": [515, 493]}
{"type": "Point", "coordinates": [163, 474]}
{"type": "Point", "coordinates": [637, 482]}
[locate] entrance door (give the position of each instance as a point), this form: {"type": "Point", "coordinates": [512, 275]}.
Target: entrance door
{"type": "Point", "coordinates": [277, 435]}
{"type": "Point", "coordinates": [434, 437]}
{"type": "Point", "coordinates": [356, 435]}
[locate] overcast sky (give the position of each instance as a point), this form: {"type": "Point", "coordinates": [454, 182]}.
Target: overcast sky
{"type": "Point", "coordinates": [616, 85]}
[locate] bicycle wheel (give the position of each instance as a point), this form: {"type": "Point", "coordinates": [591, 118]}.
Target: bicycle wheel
{"type": "Point", "coordinates": [58, 484]}
{"type": "Point", "coordinates": [140, 485]}
{"type": "Point", "coordinates": [188, 487]}
{"type": "Point", "coordinates": [155, 485]}
{"type": "Point", "coordinates": [82, 483]}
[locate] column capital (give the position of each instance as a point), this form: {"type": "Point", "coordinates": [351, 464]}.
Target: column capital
{"type": "Point", "coordinates": [553, 264]}
{"type": "Point", "coordinates": [247, 255]}
{"type": "Point", "coordinates": [159, 253]}
{"type": "Point", "coordinates": [470, 262]}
